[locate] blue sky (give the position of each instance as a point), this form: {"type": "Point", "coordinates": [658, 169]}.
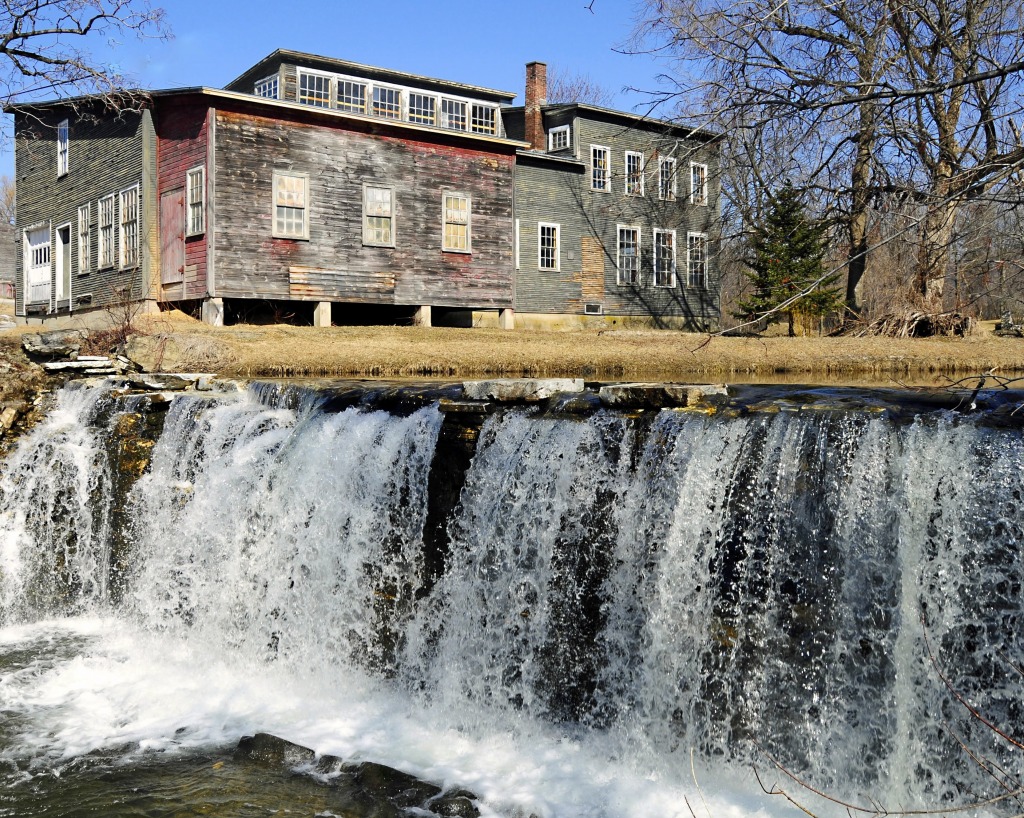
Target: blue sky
{"type": "Point", "coordinates": [480, 42]}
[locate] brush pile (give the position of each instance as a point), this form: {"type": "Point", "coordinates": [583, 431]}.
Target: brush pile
{"type": "Point", "coordinates": [915, 324]}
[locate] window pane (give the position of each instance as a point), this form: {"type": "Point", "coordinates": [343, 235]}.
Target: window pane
{"type": "Point", "coordinates": [629, 258]}
{"type": "Point", "coordinates": [421, 109]}
{"type": "Point", "coordinates": [599, 168]}
{"type": "Point", "coordinates": [83, 239]}
{"type": "Point", "coordinates": [667, 179]}
{"type": "Point", "coordinates": [387, 102]}
{"type": "Point", "coordinates": [664, 259]}
{"type": "Point", "coordinates": [315, 90]}
{"type": "Point", "coordinates": [456, 222]}
{"type": "Point", "coordinates": [483, 119]}
{"type": "Point", "coordinates": [696, 254]}
{"type": "Point", "coordinates": [548, 239]}
{"type": "Point", "coordinates": [453, 114]}
{"type": "Point", "coordinates": [130, 227]}
{"type": "Point", "coordinates": [634, 173]}
{"type": "Point", "coordinates": [267, 88]}
{"type": "Point", "coordinates": [352, 96]}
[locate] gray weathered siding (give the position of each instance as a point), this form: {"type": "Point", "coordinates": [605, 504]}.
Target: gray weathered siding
{"type": "Point", "coordinates": [334, 264]}
{"type": "Point", "coordinates": [560, 192]}
{"type": "Point", "coordinates": [105, 156]}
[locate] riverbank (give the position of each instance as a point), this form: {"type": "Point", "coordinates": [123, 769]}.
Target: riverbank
{"type": "Point", "coordinates": [174, 342]}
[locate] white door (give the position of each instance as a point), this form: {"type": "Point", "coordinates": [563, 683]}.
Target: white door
{"type": "Point", "coordinates": [37, 266]}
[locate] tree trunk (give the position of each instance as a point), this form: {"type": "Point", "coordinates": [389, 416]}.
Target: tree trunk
{"type": "Point", "coordinates": [936, 247]}
{"type": "Point", "coordinates": [860, 179]}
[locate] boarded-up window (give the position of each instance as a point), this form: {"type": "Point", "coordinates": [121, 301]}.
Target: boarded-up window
{"type": "Point", "coordinates": [378, 216]}
{"type": "Point", "coordinates": [291, 206]}
{"type": "Point", "coordinates": [628, 256]}
{"type": "Point", "coordinates": [106, 222]}
{"type": "Point", "coordinates": [130, 227]}
{"type": "Point", "coordinates": [456, 222]}
{"type": "Point", "coordinates": [664, 258]}
{"type": "Point", "coordinates": [84, 238]}
{"type": "Point", "coordinates": [195, 187]}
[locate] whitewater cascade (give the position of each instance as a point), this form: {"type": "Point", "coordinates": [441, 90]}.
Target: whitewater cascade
{"type": "Point", "coordinates": [793, 583]}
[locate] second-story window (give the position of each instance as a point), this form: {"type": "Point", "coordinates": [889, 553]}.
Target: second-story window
{"type": "Point", "coordinates": [315, 89]}
{"type": "Point", "coordinates": [195, 204]}
{"type": "Point", "coordinates": [634, 173]}
{"type": "Point", "coordinates": [667, 178]}
{"type": "Point", "coordinates": [387, 102]}
{"type": "Point", "coordinates": [600, 170]}
{"type": "Point", "coordinates": [453, 114]}
{"type": "Point", "coordinates": [351, 96]}
{"type": "Point", "coordinates": [63, 139]}
{"type": "Point", "coordinates": [84, 236]}
{"type": "Point", "coordinates": [291, 206]}
{"type": "Point", "coordinates": [456, 222]}
{"type": "Point", "coordinates": [484, 119]}
{"type": "Point", "coordinates": [548, 250]}
{"type": "Point", "coordinates": [106, 227]}
{"type": "Point", "coordinates": [129, 206]}
{"type": "Point", "coordinates": [422, 109]}
{"type": "Point", "coordinates": [698, 184]}
{"type": "Point", "coordinates": [267, 88]}
{"type": "Point", "coordinates": [558, 138]}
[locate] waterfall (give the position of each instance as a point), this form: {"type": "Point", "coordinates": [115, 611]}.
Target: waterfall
{"type": "Point", "coordinates": [805, 586]}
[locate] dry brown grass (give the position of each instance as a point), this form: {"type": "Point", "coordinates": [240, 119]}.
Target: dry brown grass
{"type": "Point", "coordinates": [174, 342]}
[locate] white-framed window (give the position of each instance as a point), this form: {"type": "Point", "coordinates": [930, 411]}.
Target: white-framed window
{"type": "Point", "coordinates": [697, 260]}
{"type": "Point", "coordinates": [387, 102]}
{"type": "Point", "coordinates": [453, 114]}
{"type": "Point", "coordinates": [63, 144]}
{"type": "Point", "coordinates": [84, 237]}
{"type": "Point", "coordinates": [600, 168]}
{"type": "Point", "coordinates": [291, 205]}
{"type": "Point", "coordinates": [698, 183]}
{"type": "Point", "coordinates": [378, 216]}
{"type": "Point", "coordinates": [422, 109]}
{"type": "Point", "coordinates": [315, 89]}
{"type": "Point", "coordinates": [667, 178]}
{"type": "Point", "coordinates": [634, 173]}
{"type": "Point", "coordinates": [559, 138]}
{"type": "Point", "coordinates": [195, 201]}
{"type": "Point", "coordinates": [457, 211]}
{"type": "Point", "coordinates": [351, 96]}
{"type": "Point", "coordinates": [664, 258]}
{"type": "Point", "coordinates": [267, 87]}
{"type": "Point", "coordinates": [105, 211]}
{"type": "Point", "coordinates": [627, 255]}
{"type": "Point", "coordinates": [549, 246]}
{"type": "Point", "coordinates": [129, 224]}
{"type": "Point", "coordinates": [484, 119]}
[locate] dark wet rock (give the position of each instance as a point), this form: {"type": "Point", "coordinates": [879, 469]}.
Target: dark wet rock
{"type": "Point", "coordinates": [401, 789]}
{"type": "Point", "coordinates": [662, 395]}
{"type": "Point", "coordinates": [455, 803]}
{"type": "Point", "coordinates": [55, 344]}
{"type": "Point", "coordinates": [264, 748]}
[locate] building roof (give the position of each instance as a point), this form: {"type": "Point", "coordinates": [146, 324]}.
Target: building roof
{"type": "Point", "coordinates": [317, 61]}
{"type": "Point", "coordinates": [634, 120]}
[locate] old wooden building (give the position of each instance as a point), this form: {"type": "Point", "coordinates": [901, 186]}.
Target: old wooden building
{"type": "Point", "coordinates": [327, 191]}
{"type": "Point", "coordinates": [615, 217]}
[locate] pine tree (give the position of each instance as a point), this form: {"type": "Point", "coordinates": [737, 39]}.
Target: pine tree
{"type": "Point", "coordinates": [786, 253]}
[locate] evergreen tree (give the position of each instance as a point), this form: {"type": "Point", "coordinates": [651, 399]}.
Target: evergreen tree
{"type": "Point", "coordinates": [786, 253]}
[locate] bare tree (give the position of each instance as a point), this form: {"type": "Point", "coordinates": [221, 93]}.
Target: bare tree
{"type": "Point", "coordinates": [913, 99]}
{"type": "Point", "coordinates": [7, 199]}
{"type": "Point", "coordinates": [564, 86]}
{"type": "Point", "coordinates": [58, 47]}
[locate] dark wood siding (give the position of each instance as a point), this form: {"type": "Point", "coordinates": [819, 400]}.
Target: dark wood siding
{"type": "Point", "coordinates": [339, 160]}
{"type": "Point", "coordinates": [105, 157]}
{"type": "Point", "coordinates": [182, 131]}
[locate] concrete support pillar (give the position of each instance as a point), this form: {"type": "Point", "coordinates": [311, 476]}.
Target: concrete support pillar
{"type": "Point", "coordinates": [507, 318]}
{"type": "Point", "coordinates": [422, 316]}
{"type": "Point", "coordinates": [322, 314]}
{"type": "Point", "coordinates": [213, 312]}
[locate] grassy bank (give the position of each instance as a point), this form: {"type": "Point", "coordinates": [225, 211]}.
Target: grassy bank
{"type": "Point", "coordinates": [172, 342]}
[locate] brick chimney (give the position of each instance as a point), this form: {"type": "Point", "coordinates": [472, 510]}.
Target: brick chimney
{"type": "Point", "coordinates": [536, 96]}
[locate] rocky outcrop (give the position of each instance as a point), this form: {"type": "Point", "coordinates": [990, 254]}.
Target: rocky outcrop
{"type": "Point", "coordinates": [520, 390]}
{"type": "Point", "coordinates": [662, 395]}
{"type": "Point", "coordinates": [390, 791]}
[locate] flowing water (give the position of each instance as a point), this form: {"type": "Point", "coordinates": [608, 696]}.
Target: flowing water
{"type": "Point", "coordinates": [613, 615]}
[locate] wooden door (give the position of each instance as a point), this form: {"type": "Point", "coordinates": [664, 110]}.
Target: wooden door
{"type": "Point", "coordinates": [37, 265]}
{"type": "Point", "coordinates": [172, 237]}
